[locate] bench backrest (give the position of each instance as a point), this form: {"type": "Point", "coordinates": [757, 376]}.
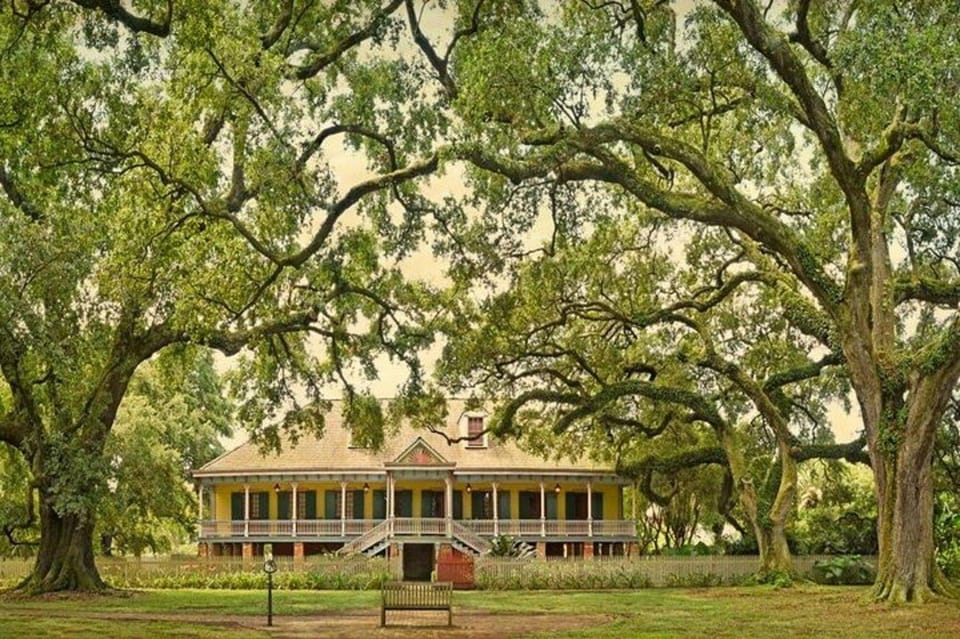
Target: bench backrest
{"type": "Point", "coordinates": [412, 594]}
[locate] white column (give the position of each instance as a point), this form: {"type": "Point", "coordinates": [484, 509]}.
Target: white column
{"type": "Point", "coordinates": [391, 501]}
{"type": "Point", "coordinates": [199, 510]}
{"type": "Point", "coordinates": [543, 512]}
{"type": "Point", "coordinates": [448, 505]}
{"type": "Point", "coordinates": [589, 509]}
{"type": "Point", "coordinates": [293, 508]}
{"type": "Point", "coordinates": [246, 510]}
{"type": "Point", "coordinates": [343, 509]}
{"type": "Point", "coordinates": [496, 508]}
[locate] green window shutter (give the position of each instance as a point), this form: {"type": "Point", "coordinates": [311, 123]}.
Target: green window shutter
{"type": "Point", "coordinates": [283, 506]}
{"type": "Point", "coordinates": [529, 504]}
{"type": "Point", "coordinates": [597, 505]}
{"type": "Point", "coordinates": [570, 502]}
{"type": "Point", "coordinates": [551, 505]}
{"type": "Point", "coordinates": [404, 507]}
{"type": "Point", "coordinates": [379, 504]}
{"type": "Point", "coordinates": [330, 510]}
{"type": "Point", "coordinates": [236, 506]}
{"type": "Point", "coordinates": [503, 505]}
{"type": "Point", "coordinates": [310, 504]}
{"type": "Point", "coordinates": [359, 498]}
{"type": "Point", "coordinates": [426, 504]}
{"type": "Point", "coordinates": [457, 504]}
{"type": "Point", "coordinates": [264, 505]}
{"type": "Point", "coordinates": [476, 504]}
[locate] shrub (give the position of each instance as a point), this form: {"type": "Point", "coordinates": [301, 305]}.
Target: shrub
{"type": "Point", "coordinates": [559, 575]}
{"type": "Point", "coordinates": [694, 580]}
{"type": "Point", "coordinates": [845, 570]}
{"type": "Point", "coordinates": [315, 575]}
{"type": "Point", "coordinates": [776, 578]}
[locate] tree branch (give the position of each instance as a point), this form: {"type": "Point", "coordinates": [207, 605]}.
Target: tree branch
{"type": "Point", "coordinates": [16, 196]}
{"type": "Point", "coordinates": [854, 451]}
{"type": "Point", "coordinates": [925, 289]}
{"type": "Point", "coordinates": [280, 25]}
{"type": "Point", "coordinates": [672, 463]}
{"type": "Point", "coordinates": [115, 10]}
{"type": "Point", "coordinates": [322, 61]}
{"type": "Point", "coordinates": [808, 371]}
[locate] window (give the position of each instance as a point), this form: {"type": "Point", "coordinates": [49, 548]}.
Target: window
{"type": "Point", "coordinates": [259, 505]}
{"type": "Point", "coordinates": [482, 504]}
{"type": "Point", "coordinates": [354, 504]}
{"type": "Point", "coordinates": [477, 438]}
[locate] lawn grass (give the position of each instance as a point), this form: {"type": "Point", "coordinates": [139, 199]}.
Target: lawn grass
{"type": "Point", "coordinates": [191, 602]}
{"type": "Point", "coordinates": [755, 613]}
{"type": "Point", "coordinates": [36, 627]}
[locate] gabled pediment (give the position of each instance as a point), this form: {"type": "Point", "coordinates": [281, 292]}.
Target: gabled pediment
{"type": "Point", "coordinates": [420, 453]}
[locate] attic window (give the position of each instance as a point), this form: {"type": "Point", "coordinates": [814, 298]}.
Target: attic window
{"type": "Point", "coordinates": [477, 438]}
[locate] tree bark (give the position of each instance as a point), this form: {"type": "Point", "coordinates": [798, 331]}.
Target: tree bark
{"type": "Point", "coordinates": [774, 552]}
{"type": "Point", "coordinates": [769, 524]}
{"type": "Point", "coordinates": [906, 563]}
{"type": "Point", "coordinates": [65, 557]}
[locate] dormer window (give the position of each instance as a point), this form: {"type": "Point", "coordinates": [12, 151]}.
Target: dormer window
{"type": "Point", "coordinates": [476, 438]}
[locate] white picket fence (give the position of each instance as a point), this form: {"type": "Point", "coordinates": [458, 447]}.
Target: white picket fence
{"type": "Point", "coordinates": [656, 570]}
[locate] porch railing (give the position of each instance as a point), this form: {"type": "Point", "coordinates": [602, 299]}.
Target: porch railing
{"type": "Point", "coordinates": [415, 527]}
{"type": "Point", "coordinates": [420, 526]}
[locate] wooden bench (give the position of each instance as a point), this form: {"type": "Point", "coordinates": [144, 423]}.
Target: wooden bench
{"type": "Point", "coordinates": [416, 595]}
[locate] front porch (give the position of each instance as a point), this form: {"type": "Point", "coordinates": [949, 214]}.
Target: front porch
{"type": "Point", "coordinates": [344, 530]}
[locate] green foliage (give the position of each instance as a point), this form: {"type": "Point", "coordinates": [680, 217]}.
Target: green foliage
{"type": "Point", "coordinates": [371, 578]}
{"type": "Point", "coordinates": [698, 549]}
{"type": "Point", "coordinates": [837, 511]}
{"type": "Point", "coordinates": [505, 546]}
{"type": "Point", "coordinates": [845, 570]}
{"type": "Point", "coordinates": [946, 506]}
{"type": "Point", "coordinates": [561, 575]}
{"type": "Point", "coordinates": [14, 506]}
{"type": "Point", "coordinates": [695, 580]}
{"type": "Point", "coordinates": [947, 533]}
{"type": "Point", "coordinates": [187, 187]}
{"type": "Point", "coordinates": [169, 424]}
{"type": "Point", "coordinates": [776, 578]}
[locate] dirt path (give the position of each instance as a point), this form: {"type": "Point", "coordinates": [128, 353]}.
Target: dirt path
{"type": "Point", "coordinates": [347, 624]}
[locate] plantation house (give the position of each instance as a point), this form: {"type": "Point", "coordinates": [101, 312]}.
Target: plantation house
{"type": "Point", "coordinates": [417, 496]}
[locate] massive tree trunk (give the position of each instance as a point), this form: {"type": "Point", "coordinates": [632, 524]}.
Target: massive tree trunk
{"type": "Point", "coordinates": [770, 532]}
{"type": "Point", "coordinates": [906, 565]}
{"type": "Point", "coordinates": [65, 558]}
{"type": "Point", "coordinates": [906, 568]}
{"type": "Point", "coordinates": [775, 555]}
{"type": "Point", "coordinates": [769, 524]}
{"type": "Point", "coordinates": [775, 552]}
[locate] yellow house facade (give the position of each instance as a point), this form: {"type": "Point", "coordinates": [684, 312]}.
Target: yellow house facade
{"type": "Point", "coordinates": [455, 487]}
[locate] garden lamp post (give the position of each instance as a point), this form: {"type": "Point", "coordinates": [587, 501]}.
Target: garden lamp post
{"type": "Point", "coordinates": [269, 567]}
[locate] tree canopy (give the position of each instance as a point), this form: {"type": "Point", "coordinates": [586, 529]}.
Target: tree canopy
{"type": "Point", "coordinates": [658, 364]}
{"type": "Point", "coordinates": [175, 174]}
{"type": "Point", "coordinates": [825, 135]}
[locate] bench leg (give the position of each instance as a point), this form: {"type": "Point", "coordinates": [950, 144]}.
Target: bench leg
{"type": "Point", "coordinates": [383, 616]}
{"type": "Point", "coordinates": [450, 616]}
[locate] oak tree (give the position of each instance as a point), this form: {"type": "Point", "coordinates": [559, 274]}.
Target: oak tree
{"type": "Point", "coordinates": [176, 173]}
{"type": "Point", "coordinates": [826, 133]}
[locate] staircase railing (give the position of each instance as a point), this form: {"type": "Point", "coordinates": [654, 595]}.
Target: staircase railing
{"type": "Point", "coordinates": [373, 536]}
{"type": "Point", "coordinates": [470, 538]}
